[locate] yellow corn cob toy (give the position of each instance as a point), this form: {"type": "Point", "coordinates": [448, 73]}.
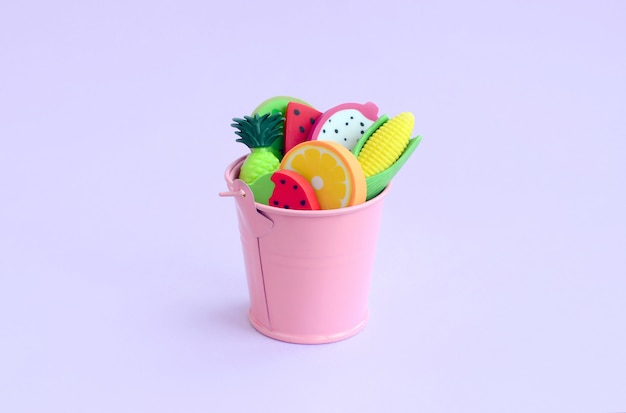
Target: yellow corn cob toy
{"type": "Point", "coordinates": [386, 144]}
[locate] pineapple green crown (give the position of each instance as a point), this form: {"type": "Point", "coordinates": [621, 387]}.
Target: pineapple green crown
{"type": "Point", "coordinates": [259, 131]}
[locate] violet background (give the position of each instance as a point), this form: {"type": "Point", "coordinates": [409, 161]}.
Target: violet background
{"type": "Point", "coordinates": [500, 276]}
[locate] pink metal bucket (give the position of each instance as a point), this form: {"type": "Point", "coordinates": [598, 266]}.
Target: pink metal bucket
{"type": "Point", "coordinates": [308, 272]}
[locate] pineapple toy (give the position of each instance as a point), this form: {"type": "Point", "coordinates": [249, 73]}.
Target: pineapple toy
{"type": "Point", "coordinates": [258, 133]}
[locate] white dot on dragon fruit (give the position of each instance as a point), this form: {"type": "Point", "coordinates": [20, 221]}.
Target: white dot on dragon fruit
{"type": "Point", "coordinates": [317, 182]}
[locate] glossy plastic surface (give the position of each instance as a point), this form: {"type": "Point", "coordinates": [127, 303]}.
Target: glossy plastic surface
{"type": "Point", "coordinates": [308, 272]}
{"type": "Point", "coordinates": [345, 123]}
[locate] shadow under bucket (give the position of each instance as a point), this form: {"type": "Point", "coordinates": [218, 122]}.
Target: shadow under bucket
{"type": "Point", "coordinates": [308, 272]}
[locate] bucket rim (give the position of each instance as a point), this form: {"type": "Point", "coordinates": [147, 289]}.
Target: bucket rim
{"type": "Point", "coordinates": [232, 172]}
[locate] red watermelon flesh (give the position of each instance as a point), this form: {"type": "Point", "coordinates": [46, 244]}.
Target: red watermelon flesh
{"type": "Point", "coordinates": [292, 191]}
{"type": "Point", "coordinates": [299, 121]}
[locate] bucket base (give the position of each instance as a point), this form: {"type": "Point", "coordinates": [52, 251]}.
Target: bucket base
{"type": "Point", "coordinates": [306, 339]}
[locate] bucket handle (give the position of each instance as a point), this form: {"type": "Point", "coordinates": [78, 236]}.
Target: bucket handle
{"type": "Point", "coordinates": [232, 193]}
{"type": "Point", "coordinates": [259, 223]}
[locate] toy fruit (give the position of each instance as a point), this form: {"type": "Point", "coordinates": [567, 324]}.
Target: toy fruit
{"type": "Point", "coordinates": [262, 188]}
{"type": "Point", "coordinates": [386, 144]}
{"type": "Point", "coordinates": [258, 133]}
{"type": "Point", "coordinates": [333, 171]}
{"type": "Point", "coordinates": [345, 123]}
{"type": "Point", "coordinates": [292, 191]}
{"type": "Point", "coordinates": [376, 183]}
{"type": "Point", "coordinates": [277, 104]}
{"type": "Point", "coordinates": [299, 121]}
{"type": "Point", "coordinates": [368, 133]}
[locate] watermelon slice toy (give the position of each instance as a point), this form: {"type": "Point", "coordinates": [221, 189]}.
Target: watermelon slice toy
{"type": "Point", "coordinates": [299, 121]}
{"type": "Point", "coordinates": [292, 191]}
{"type": "Point", "coordinates": [277, 104]}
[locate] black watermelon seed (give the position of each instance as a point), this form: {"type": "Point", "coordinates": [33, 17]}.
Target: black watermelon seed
{"type": "Point", "coordinates": [362, 132]}
{"type": "Point", "coordinates": [312, 121]}
{"type": "Point", "coordinates": [282, 181]}
{"type": "Point", "coordinates": [296, 112]}
{"type": "Point", "coordinates": [346, 123]}
{"type": "Point", "coordinates": [275, 202]}
{"type": "Point", "coordinates": [302, 129]}
{"type": "Point", "coordinates": [351, 117]}
{"type": "Point", "coordinates": [323, 130]}
{"type": "Point", "coordinates": [336, 131]}
{"type": "Point", "coordinates": [345, 139]}
{"type": "Point", "coordinates": [362, 124]}
{"type": "Point", "coordinates": [295, 187]}
{"type": "Point", "coordinates": [286, 207]}
{"type": "Point", "coordinates": [303, 202]}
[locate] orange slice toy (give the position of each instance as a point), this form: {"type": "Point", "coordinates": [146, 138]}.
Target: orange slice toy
{"type": "Point", "coordinates": [333, 171]}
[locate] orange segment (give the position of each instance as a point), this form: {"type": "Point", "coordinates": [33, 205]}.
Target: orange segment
{"type": "Point", "coordinates": [333, 171]}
